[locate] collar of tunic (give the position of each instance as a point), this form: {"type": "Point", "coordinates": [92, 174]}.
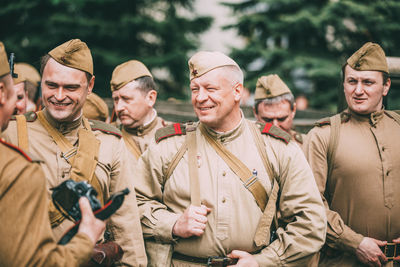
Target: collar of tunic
{"type": "Point", "coordinates": [65, 126]}
{"type": "Point", "coordinates": [145, 128]}
{"type": "Point", "coordinates": [372, 118]}
{"type": "Point", "coordinates": [229, 135]}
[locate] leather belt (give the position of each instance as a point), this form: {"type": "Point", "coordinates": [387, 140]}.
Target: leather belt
{"type": "Point", "coordinates": [391, 250]}
{"type": "Point", "coordinates": [210, 261]}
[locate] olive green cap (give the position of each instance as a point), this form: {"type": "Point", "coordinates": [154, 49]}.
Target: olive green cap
{"type": "Point", "coordinates": [74, 54]}
{"type": "Point", "coordinates": [269, 87]}
{"type": "Point", "coordinates": [4, 66]}
{"type": "Point", "coordinates": [26, 72]}
{"type": "Point", "coordinates": [127, 72]}
{"type": "Point", "coordinates": [205, 61]}
{"type": "Point", "coordinates": [95, 108]}
{"type": "Point", "coordinates": [369, 57]}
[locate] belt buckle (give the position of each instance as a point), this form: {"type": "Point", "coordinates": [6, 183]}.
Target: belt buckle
{"type": "Point", "coordinates": [390, 250]}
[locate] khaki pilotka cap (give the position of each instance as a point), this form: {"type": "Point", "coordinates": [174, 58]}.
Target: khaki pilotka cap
{"type": "Point", "coordinates": [127, 72]}
{"type": "Point", "coordinates": [369, 57]}
{"type": "Point", "coordinates": [205, 61]}
{"type": "Point", "coordinates": [26, 72]}
{"type": "Point", "coordinates": [4, 66]}
{"type": "Point", "coordinates": [95, 108]}
{"type": "Point", "coordinates": [74, 54]}
{"type": "Point", "coordinates": [269, 87]}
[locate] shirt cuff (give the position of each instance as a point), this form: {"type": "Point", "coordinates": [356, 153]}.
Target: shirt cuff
{"type": "Point", "coordinates": [82, 246]}
{"type": "Point", "coordinates": [268, 257]}
{"type": "Point", "coordinates": [163, 228]}
{"type": "Point", "coordinates": [349, 240]}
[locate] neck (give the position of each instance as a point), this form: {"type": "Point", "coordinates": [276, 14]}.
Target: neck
{"type": "Point", "coordinates": [228, 123]}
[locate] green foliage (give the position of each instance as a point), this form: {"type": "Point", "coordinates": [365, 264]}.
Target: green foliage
{"type": "Point", "coordinates": [151, 31]}
{"type": "Point", "coordinates": [307, 41]}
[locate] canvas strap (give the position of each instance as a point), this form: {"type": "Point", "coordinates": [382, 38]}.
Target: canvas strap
{"type": "Point", "coordinates": [193, 166]}
{"type": "Point", "coordinates": [333, 142]}
{"type": "Point", "coordinates": [22, 130]}
{"type": "Point", "coordinates": [249, 179]}
{"type": "Point", "coordinates": [394, 115]}
{"type": "Point", "coordinates": [131, 144]}
{"type": "Point", "coordinates": [83, 159]}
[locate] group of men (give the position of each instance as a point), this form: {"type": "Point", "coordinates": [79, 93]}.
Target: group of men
{"type": "Point", "coordinates": [223, 191]}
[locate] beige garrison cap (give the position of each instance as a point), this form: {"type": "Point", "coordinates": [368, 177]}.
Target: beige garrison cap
{"type": "Point", "coordinates": [26, 72]}
{"type": "Point", "coordinates": [74, 54]}
{"type": "Point", "coordinates": [4, 67]}
{"type": "Point", "coordinates": [95, 108]}
{"type": "Point", "coordinates": [269, 87]}
{"type": "Point", "coordinates": [127, 72]}
{"type": "Point", "coordinates": [369, 57]}
{"type": "Point", "coordinates": [205, 61]}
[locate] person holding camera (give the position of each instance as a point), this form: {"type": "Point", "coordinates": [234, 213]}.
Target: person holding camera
{"type": "Point", "coordinates": [27, 239]}
{"type": "Point", "coordinates": [72, 147]}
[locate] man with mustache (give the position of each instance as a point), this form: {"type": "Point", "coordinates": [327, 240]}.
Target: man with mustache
{"type": "Point", "coordinates": [25, 232]}
{"type": "Point", "coordinates": [274, 103]}
{"type": "Point", "coordinates": [134, 94]}
{"type": "Point", "coordinates": [211, 189]}
{"type": "Point", "coordinates": [355, 159]}
{"type": "Point", "coordinates": [74, 148]}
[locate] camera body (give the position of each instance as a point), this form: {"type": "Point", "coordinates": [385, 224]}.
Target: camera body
{"type": "Point", "coordinates": [66, 198]}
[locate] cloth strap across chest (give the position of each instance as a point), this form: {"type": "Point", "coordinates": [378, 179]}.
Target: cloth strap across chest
{"type": "Point", "coordinates": [131, 144]}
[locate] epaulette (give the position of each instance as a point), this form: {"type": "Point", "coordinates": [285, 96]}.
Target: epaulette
{"type": "Point", "coordinates": [30, 116]}
{"type": "Point", "coordinates": [276, 132]}
{"type": "Point", "coordinates": [344, 116]}
{"type": "Point", "coordinates": [105, 128]}
{"type": "Point", "coordinates": [170, 130]}
{"type": "Point", "coordinates": [16, 149]}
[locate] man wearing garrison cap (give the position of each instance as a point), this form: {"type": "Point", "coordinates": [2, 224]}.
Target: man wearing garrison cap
{"type": "Point", "coordinates": [25, 232]}
{"type": "Point", "coordinates": [355, 158]}
{"type": "Point", "coordinates": [134, 94]}
{"type": "Point", "coordinates": [213, 189]}
{"type": "Point", "coordinates": [274, 103]}
{"type": "Point", "coordinates": [72, 147]}
{"type": "Point", "coordinates": [26, 83]}
{"type": "Point", "coordinates": [95, 108]}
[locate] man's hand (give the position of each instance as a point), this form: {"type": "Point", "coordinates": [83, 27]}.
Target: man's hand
{"type": "Point", "coordinates": [397, 241]}
{"type": "Point", "coordinates": [90, 225]}
{"type": "Point", "coordinates": [245, 259]}
{"type": "Point", "coordinates": [192, 222]}
{"type": "Point", "coordinates": [368, 252]}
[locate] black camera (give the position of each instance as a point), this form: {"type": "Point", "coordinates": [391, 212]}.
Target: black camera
{"type": "Point", "coordinates": [66, 198]}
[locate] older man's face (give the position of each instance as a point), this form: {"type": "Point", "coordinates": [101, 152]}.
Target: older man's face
{"type": "Point", "coordinates": [364, 90]}
{"type": "Point", "coordinates": [279, 114]}
{"type": "Point", "coordinates": [215, 99]}
{"type": "Point", "coordinates": [20, 107]}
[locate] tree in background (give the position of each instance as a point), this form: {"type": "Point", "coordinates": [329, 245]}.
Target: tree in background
{"type": "Point", "coordinates": [307, 41]}
{"type": "Point", "coordinates": [152, 31]}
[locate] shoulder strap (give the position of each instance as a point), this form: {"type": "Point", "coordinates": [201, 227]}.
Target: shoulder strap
{"type": "Point", "coordinates": [16, 149]}
{"type": "Point", "coordinates": [131, 144]}
{"type": "Point", "coordinates": [105, 128]}
{"type": "Point", "coordinates": [394, 114]}
{"type": "Point", "coordinates": [276, 132]}
{"type": "Point", "coordinates": [335, 122]}
{"type": "Point", "coordinates": [170, 130]}
{"type": "Point", "coordinates": [249, 179]}
{"type": "Point", "coordinates": [193, 166]}
{"type": "Point", "coordinates": [22, 132]}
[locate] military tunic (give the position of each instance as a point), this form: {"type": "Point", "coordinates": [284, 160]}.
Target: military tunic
{"type": "Point", "coordinates": [233, 220]}
{"type": "Point", "coordinates": [361, 197]}
{"type": "Point", "coordinates": [26, 237]}
{"type": "Point", "coordinates": [114, 172]}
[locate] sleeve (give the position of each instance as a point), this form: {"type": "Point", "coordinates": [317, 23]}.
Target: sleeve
{"type": "Point", "coordinates": [302, 220]}
{"type": "Point", "coordinates": [125, 223]}
{"type": "Point", "coordinates": [157, 220]}
{"type": "Point", "coordinates": [339, 235]}
{"type": "Point", "coordinates": [26, 236]}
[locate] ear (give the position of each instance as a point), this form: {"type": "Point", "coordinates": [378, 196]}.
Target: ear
{"type": "Point", "coordinates": [3, 96]}
{"type": "Point", "coordinates": [91, 85]}
{"type": "Point", "coordinates": [238, 91]}
{"type": "Point", "coordinates": [151, 98]}
{"type": "Point", "coordinates": [294, 110]}
{"type": "Point", "coordinates": [386, 87]}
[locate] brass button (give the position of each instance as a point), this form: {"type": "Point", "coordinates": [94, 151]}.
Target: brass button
{"type": "Point", "coordinates": [387, 173]}
{"type": "Point", "coordinates": [383, 148]}
{"type": "Point", "coordinates": [224, 173]}
{"type": "Point", "coordinates": [223, 200]}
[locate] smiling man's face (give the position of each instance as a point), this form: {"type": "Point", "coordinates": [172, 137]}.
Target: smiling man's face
{"type": "Point", "coordinates": [364, 90]}
{"type": "Point", "coordinates": [64, 90]}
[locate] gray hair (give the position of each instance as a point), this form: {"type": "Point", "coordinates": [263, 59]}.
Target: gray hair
{"type": "Point", "coordinates": [234, 74]}
{"type": "Point", "coordinates": [275, 100]}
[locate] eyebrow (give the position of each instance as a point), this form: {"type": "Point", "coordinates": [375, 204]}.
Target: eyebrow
{"type": "Point", "coordinates": [72, 85]}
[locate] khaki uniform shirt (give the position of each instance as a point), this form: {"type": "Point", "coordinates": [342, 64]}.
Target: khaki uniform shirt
{"type": "Point", "coordinates": [26, 237]}
{"type": "Point", "coordinates": [300, 138]}
{"type": "Point", "coordinates": [361, 196]}
{"type": "Point", "coordinates": [114, 172]}
{"type": "Point", "coordinates": [233, 220]}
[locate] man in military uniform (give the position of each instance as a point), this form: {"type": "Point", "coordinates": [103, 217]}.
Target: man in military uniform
{"type": "Point", "coordinates": [74, 148]}
{"type": "Point", "coordinates": [27, 84]}
{"type": "Point", "coordinates": [213, 199]}
{"type": "Point", "coordinates": [95, 108]}
{"type": "Point", "coordinates": [134, 94]}
{"type": "Point", "coordinates": [355, 159]}
{"type": "Point", "coordinates": [274, 103]}
{"type": "Point", "coordinates": [26, 237]}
